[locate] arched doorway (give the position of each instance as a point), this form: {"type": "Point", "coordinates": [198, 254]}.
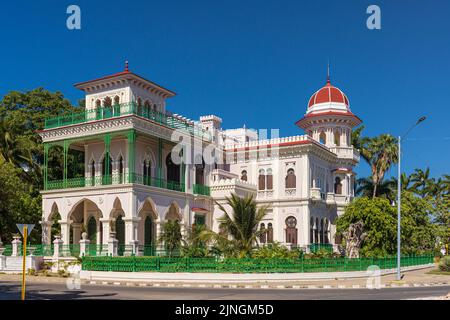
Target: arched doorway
{"type": "Point", "coordinates": [92, 230]}
{"type": "Point", "coordinates": [120, 230]}
{"type": "Point", "coordinates": [147, 233]}
{"type": "Point", "coordinates": [173, 170]}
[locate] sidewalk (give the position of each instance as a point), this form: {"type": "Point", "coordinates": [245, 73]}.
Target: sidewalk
{"type": "Point", "coordinates": [416, 278]}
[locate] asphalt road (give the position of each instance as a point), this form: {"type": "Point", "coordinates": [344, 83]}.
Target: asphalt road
{"type": "Point", "coordinates": [10, 290]}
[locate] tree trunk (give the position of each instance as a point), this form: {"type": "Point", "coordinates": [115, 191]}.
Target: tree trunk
{"type": "Point", "coordinates": [375, 185]}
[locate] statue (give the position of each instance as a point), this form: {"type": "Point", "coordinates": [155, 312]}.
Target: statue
{"type": "Point", "coordinates": [353, 239]}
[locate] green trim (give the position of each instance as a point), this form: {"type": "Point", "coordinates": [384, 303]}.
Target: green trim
{"type": "Point", "coordinates": [131, 138]}
{"type": "Point", "coordinates": [202, 189]}
{"type": "Point", "coordinates": [65, 153]}
{"type": "Point", "coordinates": [123, 109]}
{"type": "Point", "coordinates": [107, 141]}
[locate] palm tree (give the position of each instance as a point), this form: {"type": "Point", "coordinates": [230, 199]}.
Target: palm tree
{"type": "Point", "coordinates": [383, 152]}
{"type": "Point", "coordinates": [241, 225]}
{"type": "Point", "coordinates": [386, 189]}
{"type": "Point", "coordinates": [171, 236]}
{"type": "Point", "coordinates": [423, 185]}
{"type": "Point", "coordinates": [379, 152]}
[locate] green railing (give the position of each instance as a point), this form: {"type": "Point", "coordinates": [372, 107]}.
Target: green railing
{"type": "Point", "coordinates": [314, 247]}
{"type": "Point", "coordinates": [202, 189]}
{"type": "Point", "coordinates": [123, 109]}
{"type": "Point", "coordinates": [176, 264]}
{"type": "Point", "coordinates": [114, 179]}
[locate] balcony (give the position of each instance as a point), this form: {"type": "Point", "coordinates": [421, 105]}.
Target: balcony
{"type": "Point", "coordinates": [265, 194]}
{"type": "Point", "coordinates": [202, 190]}
{"type": "Point", "coordinates": [102, 113]}
{"type": "Point", "coordinates": [346, 153]}
{"type": "Point", "coordinates": [115, 179]}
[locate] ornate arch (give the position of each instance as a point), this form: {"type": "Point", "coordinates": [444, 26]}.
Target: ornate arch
{"type": "Point", "coordinates": [173, 212]}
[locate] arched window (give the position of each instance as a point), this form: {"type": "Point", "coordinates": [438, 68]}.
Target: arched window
{"type": "Point", "coordinates": [270, 233]}
{"type": "Point", "coordinates": [269, 179]}
{"type": "Point", "coordinates": [322, 138]}
{"type": "Point", "coordinates": [200, 171]}
{"type": "Point", "coordinates": [92, 167]}
{"type": "Point", "coordinates": [244, 175]}
{"type": "Point", "coordinates": [120, 230]}
{"type": "Point", "coordinates": [337, 186]}
{"type": "Point", "coordinates": [98, 108]}
{"type": "Point", "coordinates": [116, 107]}
{"type": "Point", "coordinates": [316, 231]}
{"type": "Point", "coordinates": [107, 102]}
{"type": "Point", "coordinates": [146, 172]}
{"type": "Point", "coordinates": [290, 179]}
{"type": "Point", "coordinates": [173, 170]}
{"type": "Point", "coordinates": [139, 107]}
{"type": "Point", "coordinates": [311, 230]}
{"type": "Point", "coordinates": [291, 230]}
{"type": "Point", "coordinates": [107, 110]}
{"type": "Point", "coordinates": [261, 180]}
{"type": "Point", "coordinates": [321, 231]}
{"type": "Point", "coordinates": [120, 169]}
{"type": "Point", "coordinates": [147, 108]}
{"type": "Point", "coordinates": [337, 139]}
{"type": "Point", "coordinates": [106, 177]}
{"type": "Point", "coordinates": [262, 237]}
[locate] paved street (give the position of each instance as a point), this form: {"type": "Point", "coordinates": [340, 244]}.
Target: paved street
{"type": "Point", "coordinates": [10, 290]}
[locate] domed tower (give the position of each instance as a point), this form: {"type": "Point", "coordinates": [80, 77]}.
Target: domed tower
{"type": "Point", "coordinates": [328, 118]}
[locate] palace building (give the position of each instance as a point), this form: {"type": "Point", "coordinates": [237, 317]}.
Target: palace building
{"type": "Point", "coordinates": [130, 181]}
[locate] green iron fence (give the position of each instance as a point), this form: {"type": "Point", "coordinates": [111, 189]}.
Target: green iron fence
{"type": "Point", "coordinates": [124, 109]}
{"type": "Point", "coordinates": [177, 264]}
{"type": "Point", "coordinates": [81, 182]}
{"type": "Point", "coordinates": [314, 247]}
{"type": "Point", "coordinates": [202, 189]}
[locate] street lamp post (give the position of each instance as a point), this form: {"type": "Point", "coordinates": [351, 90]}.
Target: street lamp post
{"type": "Point", "coordinates": [399, 198]}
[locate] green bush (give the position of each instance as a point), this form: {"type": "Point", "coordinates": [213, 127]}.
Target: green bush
{"type": "Point", "coordinates": [444, 264]}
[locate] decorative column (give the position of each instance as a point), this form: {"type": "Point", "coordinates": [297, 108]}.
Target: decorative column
{"type": "Point", "coordinates": [57, 247]}
{"type": "Point", "coordinates": [131, 225]}
{"type": "Point", "coordinates": [131, 137]}
{"type": "Point", "coordinates": [160, 161]}
{"type": "Point", "coordinates": [107, 141]}
{"type": "Point", "coordinates": [46, 232]}
{"type": "Point", "coordinates": [84, 245]}
{"type": "Point", "coordinates": [65, 151]}
{"type": "Point", "coordinates": [112, 246]}
{"type": "Point", "coordinates": [65, 231]}
{"type": "Point", "coordinates": [46, 148]}
{"type": "Point", "coordinates": [15, 246]}
{"type": "Point", "coordinates": [105, 225]}
{"type": "Point", "coordinates": [76, 231]}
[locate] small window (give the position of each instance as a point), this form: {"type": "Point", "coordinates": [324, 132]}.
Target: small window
{"type": "Point", "coordinates": [262, 237]}
{"type": "Point", "coordinates": [261, 180]}
{"type": "Point", "coordinates": [337, 139]}
{"type": "Point", "coordinates": [290, 179]}
{"type": "Point", "coordinates": [337, 186]}
{"type": "Point", "coordinates": [322, 138]}
{"type": "Point", "coordinates": [270, 233]}
{"type": "Point", "coordinates": [269, 179]}
{"type": "Point", "coordinates": [244, 175]}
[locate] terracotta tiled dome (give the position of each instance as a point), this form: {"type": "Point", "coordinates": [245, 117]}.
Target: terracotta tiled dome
{"type": "Point", "coordinates": [328, 94]}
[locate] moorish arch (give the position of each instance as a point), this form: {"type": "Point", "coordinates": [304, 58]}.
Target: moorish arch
{"type": "Point", "coordinates": [147, 223]}
{"type": "Point", "coordinates": [173, 213]}
{"type": "Point", "coordinates": [50, 224]}
{"type": "Point", "coordinates": [117, 216]}
{"type": "Point", "coordinates": [84, 213]}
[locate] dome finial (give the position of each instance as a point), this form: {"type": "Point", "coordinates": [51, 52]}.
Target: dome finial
{"type": "Point", "coordinates": [328, 72]}
{"type": "Point", "coordinates": [126, 65]}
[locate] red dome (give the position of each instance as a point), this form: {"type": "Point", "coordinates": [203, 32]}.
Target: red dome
{"type": "Point", "coordinates": [328, 94]}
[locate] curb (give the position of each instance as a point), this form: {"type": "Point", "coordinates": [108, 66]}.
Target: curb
{"type": "Point", "coordinates": [262, 286]}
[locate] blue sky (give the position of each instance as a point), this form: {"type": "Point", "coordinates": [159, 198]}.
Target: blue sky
{"type": "Point", "coordinates": [250, 62]}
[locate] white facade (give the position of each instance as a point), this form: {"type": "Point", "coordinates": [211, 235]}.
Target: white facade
{"type": "Point", "coordinates": [307, 180]}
